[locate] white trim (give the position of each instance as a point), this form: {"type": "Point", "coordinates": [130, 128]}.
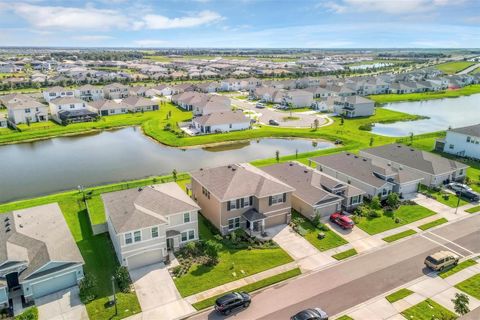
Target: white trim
{"type": "Point", "coordinates": [41, 279]}
{"type": "Point", "coordinates": [142, 248]}
{"type": "Point", "coordinates": [195, 236]}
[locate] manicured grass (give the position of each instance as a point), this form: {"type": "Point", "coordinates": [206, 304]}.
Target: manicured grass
{"type": "Point", "coordinates": [459, 267]}
{"type": "Point", "coordinates": [465, 91]}
{"type": "Point", "coordinates": [433, 224]}
{"type": "Point", "coordinates": [29, 314]}
{"type": "Point", "coordinates": [399, 295]}
{"type": "Point", "coordinates": [427, 310]}
{"type": "Point", "coordinates": [454, 66]}
{"type": "Point", "coordinates": [405, 213]}
{"type": "Point", "coordinates": [345, 254]}
{"type": "Point", "coordinates": [96, 210]}
{"type": "Point", "coordinates": [345, 318]}
{"type": "Point", "coordinates": [399, 236]}
{"type": "Point", "coordinates": [471, 286]}
{"type": "Point", "coordinates": [200, 277]}
{"type": "Point", "coordinates": [331, 240]}
{"type": "Point", "coordinates": [444, 197]}
{"type": "Point", "coordinates": [251, 287]}
{"type": "Point", "coordinates": [473, 209]}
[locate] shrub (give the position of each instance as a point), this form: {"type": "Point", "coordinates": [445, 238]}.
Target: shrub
{"type": "Point", "coordinates": [123, 279]}
{"type": "Point", "coordinates": [373, 214]}
{"type": "Point", "coordinates": [211, 249]}
{"type": "Point", "coordinates": [375, 203]}
{"type": "Point", "coordinates": [316, 220]}
{"type": "Point", "coordinates": [393, 200]}
{"type": "Point", "coordinates": [29, 314]}
{"type": "Point", "coordinates": [87, 289]}
{"type": "Point", "coordinates": [322, 226]}
{"type": "Point", "coordinates": [218, 237]}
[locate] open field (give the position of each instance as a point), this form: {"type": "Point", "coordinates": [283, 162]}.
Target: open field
{"type": "Point", "coordinates": [454, 66]}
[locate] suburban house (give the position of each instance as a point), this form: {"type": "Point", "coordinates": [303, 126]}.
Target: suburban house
{"type": "Point", "coordinates": [89, 93]}
{"type": "Point", "coordinates": [116, 91]}
{"type": "Point", "coordinates": [139, 104]}
{"type": "Point", "coordinates": [376, 179]}
{"type": "Point", "coordinates": [316, 194]}
{"type": "Point", "coordinates": [207, 87]}
{"type": "Point", "coordinates": [181, 88]}
{"type": "Point", "coordinates": [159, 90]}
{"type": "Point", "coordinates": [24, 109]}
{"type": "Point", "coordinates": [298, 98]}
{"type": "Point", "coordinates": [38, 255]}
{"type": "Point", "coordinates": [107, 107]}
{"type": "Point", "coordinates": [221, 122]}
{"type": "Point", "coordinates": [146, 223]}
{"type": "Point", "coordinates": [231, 85]}
{"type": "Point", "coordinates": [319, 92]}
{"type": "Point", "coordinates": [69, 110]}
{"type": "Point", "coordinates": [201, 103]}
{"type": "Point", "coordinates": [434, 169]}
{"type": "Point", "coordinates": [138, 91]}
{"type": "Point", "coordinates": [57, 92]}
{"type": "Point", "coordinates": [241, 196]}
{"type": "Point", "coordinates": [268, 94]}
{"type": "Point", "coordinates": [463, 142]}
{"type": "Point", "coordinates": [3, 121]}
{"type": "Point", "coordinates": [354, 106]}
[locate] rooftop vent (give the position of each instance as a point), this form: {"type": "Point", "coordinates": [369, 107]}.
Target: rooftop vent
{"type": "Point", "coordinates": [7, 230]}
{"type": "Point", "coordinates": [364, 159]}
{"type": "Point", "coordinates": [399, 146]}
{"type": "Point", "coordinates": [6, 219]}
{"type": "Point", "coordinates": [229, 166]}
{"type": "Point", "coordinates": [18, 215]}
{"type": "Point", "coordinates": [356, 157]}
{"type": "Point", "coordinates": [291, 164]}
{"type": "Point", "coordinates": [20, 225]}
{"type": "Point", "coordinates": [347, 154]}
{"type": "Point", "coordinates": [306, 171]}
{"type": "Point", "coordinates": [7, 224]}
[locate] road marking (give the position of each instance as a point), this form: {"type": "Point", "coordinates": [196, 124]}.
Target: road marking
{"type": "Point", "coordinates": [454, 243]}
{"type": "Point", "coordinates": [441, 244]}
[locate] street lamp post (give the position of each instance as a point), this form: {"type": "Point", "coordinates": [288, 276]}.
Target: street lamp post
{"type": "Point", "coordinates": [458, 201]}
{"type": "Point", "coordinates": [114, 297]}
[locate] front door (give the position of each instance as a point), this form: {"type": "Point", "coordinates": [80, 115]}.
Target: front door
{"type": "Point", "coordinates": [12, 280]}
{"type": "Point", "coordinates": [256, 226]}
{"type": "Point", "coordinates": [169, 243]}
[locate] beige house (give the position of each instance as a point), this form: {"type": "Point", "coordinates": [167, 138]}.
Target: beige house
{"type": "Point", "coordinates": [241, 196]}
{"type": "Point", "coordinates": [146, 223]}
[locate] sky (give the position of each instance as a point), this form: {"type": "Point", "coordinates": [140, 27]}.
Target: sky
{"type": "Point", "coordinates": [241, 23]}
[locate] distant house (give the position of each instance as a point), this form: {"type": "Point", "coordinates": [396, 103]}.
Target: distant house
{"type": "Point", "coordinates": [139, 91]}
{"type": "Point", "coordinates": [57, 92]}
{"type": "Point", "coordinates": [181, 88]}
{"type": "Point", "coordinates": [139, 104]}
{"type": "Point", "coordinates": [24, 109]}
{"type": "Point", "coordinates": [201, 103]}
{"type": "Point", "coordinates": [463, 142]}
{"type": "Point", "coordinates": [116, 91]}
{"type": "Point", "coordinates": [207, 87]}
{"type": "Point", "coordinates": [319, 92]}
{"type": "Point", "coordinates": [146, 223]}
{"type": "Point", "coordinates": [241, 196]}
{"type": "Point", "coordinates": [3, 121]}
{"type": "Point", "coordinates": [298, 98]}
{"type": "Point", "coordinates": [89, 93]}
{"type": "Point", "coordinates": [373, 177]}
{"type": "Point", "coordinates": [107, 107]}
{"type": "Point", "coordinates": [231, 85]}
{"type": "Point", "coordinates": [268, 94]}
{"type": "Point", "coordinates": [71, 110]}
{"type": "Point", "coordinates": [434, 169]}
{"type": "Point", "coordinates": [316, 193]}
{"type": "Point", "coordinates": [221, 122]}
{"type": "Point", "coordinates": [38, 254]}
{"type": "Point", "coordinates": [354, 106]}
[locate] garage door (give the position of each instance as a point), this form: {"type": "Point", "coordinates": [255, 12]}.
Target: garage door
{"type": "Point", "coordinates": [145, 259]}
{"type": "Point", "coordinates": [53, 285]}
{"type": "Point", "coordinates": [408, 189]}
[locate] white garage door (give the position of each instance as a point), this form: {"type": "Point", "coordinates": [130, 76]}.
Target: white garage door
{"type": "Point", "coordinates": [408, 189]}
{"type": "Point", "coordinates": [53, 285]}
{"type": "Point", "coordinates": [145, 259]}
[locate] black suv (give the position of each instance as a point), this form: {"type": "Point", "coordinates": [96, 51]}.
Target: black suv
{"type": "Point", "coordinates": [231, 301]}
{"type": "Point", "coordinates": [469, 195]}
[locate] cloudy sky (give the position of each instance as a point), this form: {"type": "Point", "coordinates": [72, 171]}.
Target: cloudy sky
{"type": "Point", "coordinates": [241, 23]}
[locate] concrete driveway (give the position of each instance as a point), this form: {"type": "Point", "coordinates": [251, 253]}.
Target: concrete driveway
{"type": "Point", "coordinates": [61, 305]}
{"type": "Point", "coordinates": [359, 239]}
{"type": "Point", "coordinates": [157, 294]}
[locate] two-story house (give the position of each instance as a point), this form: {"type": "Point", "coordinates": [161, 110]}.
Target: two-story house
{"type": "Point", "coordinates": [463, 142]}
{"type": "Point", "coordinates": [145, 223]}
{"type": "Point", "coordinates": [89, 93]}
{"type": "Point", "coordinates": [115, 91]}
{"type": "Point", "coordinates": [24, 109]}
{"type": "Point", "coordinates": [354, 106]}
{"type": "Point", "coordinates": [298, 98]}
{"type": "Point", "coordinates": [57, 92]}
{"type": "Point", "coordinates": [69, 110]}
{"type": "Point", "coordinates": [241, 196]}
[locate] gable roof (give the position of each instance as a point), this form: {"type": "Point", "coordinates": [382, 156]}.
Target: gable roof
{"type": "Point", "coordinates": [218, 118]}
{"type": "Point", "coordinates": [66, 100]}
{"type": "Point", "coordinates": [105, 104]}
{"type": "Point", "coordinates": [469, 131]}
{"type": "Point", "coordinates": [135, 101]}
{"type": "Point", "coordinates": [239, 180]}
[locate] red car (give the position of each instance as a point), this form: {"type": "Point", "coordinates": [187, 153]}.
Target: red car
{"type": "Point", "coordinates": [342, 220]}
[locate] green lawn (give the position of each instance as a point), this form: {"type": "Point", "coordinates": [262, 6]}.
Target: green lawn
{"type": "Point", "coordinates": [473, 209]}
{"type": "Point", "coordinates": [454, 66]}
{"type": "Point", "coordinates": [387, 98]}
{"type": "Point", "coordinates": [459, 267]}
{"type": "Point", "coordinates": [406, 213]}
{"type": "Point", "coordinates": [427, 310]}
{"type": "Point", "coordinates": [399, 236]}
{"type": "Point", "coordinates": [432, 224]}
{"type": "Point", "coordinates": [251, 287]}
{"type": "Point", "coordinates": [399, 295]}
{"type": "Point", "coordinates": [444, 197]}
{"type": "Point", "coordinates": [345, 318]}
{"type": "Point", "coordinates": [471, 286]}
{"type": "Point", "coordinates": [200, 278]}
{"type": "Point", "coordinates": [345, 254]}
{"type": "Point", "coordinates": [331, 240]}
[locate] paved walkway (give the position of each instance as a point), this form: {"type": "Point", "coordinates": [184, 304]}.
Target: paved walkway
{"type": "Point", "coordinates": [429, 286]}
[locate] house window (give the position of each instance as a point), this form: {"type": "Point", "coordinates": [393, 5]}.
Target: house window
{"type": "Point", "coordinates": [468, 139]}
{"type": "Point", "coordinates": [123, 110]}
{"type": "Point", "coordinates": [460, 172]}
{"type": "Point", "coordinates": [451, 146]}
{"type": "Point", "coordinates": [230, 126]}
{"type": "Point", "coordinates": [206, 192]}
{"type": "Point", "coordinates": [247, 202]}
{"type": "Point", "coordinates": [186, 217]}
{"type": "Point", "coordinates": [27, 110]}
{"type": "Point", "coordinates": [59, 107]}
{"type": "Point", "coordinates": [278, 198]}
{"type": "Point", "coordinates": [137, 236]}
{"type": "Point", "coordinates": [128, 238]}
{"type": "Point", "coordinates": [232, 204]}
{"type": "Point", "coordinates": [155, 232]}
{"type": "Point", "coordinates": [184, 236]}
{"type": "Point", "coordinates": [72, 106]}
{"type": "Point", "coordinates": [191, 234]}
{"type": "Point", "coordinates": [234, 223]}
{"type": "Point", "coordinates": [384, 192]}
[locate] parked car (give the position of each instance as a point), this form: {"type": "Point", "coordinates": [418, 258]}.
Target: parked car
{"type": "Point", "coordinates": [232, 301]}
{"type": "Point", "coordinates": [311, 314]}
{"type": "Point", "coordinates": [455, 186]}
{"type": "Point", "coordinates": [260, 105]}
{"type": "Point", "coordinates": [441, 260]}
{"type": "Point", "coordinates": [273, 122]}
{"type": "Point", "coordinates": [469, 195]}
{"type": "Point", "coordinates": [342, 220]}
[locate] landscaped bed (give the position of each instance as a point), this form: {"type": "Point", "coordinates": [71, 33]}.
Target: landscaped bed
{"type": "Point", "coordinates": [308, 230]}
{"type": "Point", "coordinates": [433, 224]}
{"type": "Point", "coordinates": [427, 310]}
{"type": "Point", "coordinates": [398, 295]}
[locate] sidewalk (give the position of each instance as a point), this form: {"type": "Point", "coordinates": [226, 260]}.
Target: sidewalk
{"type": "Point", "coordinates": [429, 286]}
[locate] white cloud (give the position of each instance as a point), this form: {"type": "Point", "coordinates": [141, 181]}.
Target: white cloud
{"type": "Point", "coordinates": [150, 43]}
{"type": "Point", "coordinates": [92, 38]}
{"type": "Point", "coordinates": [154, 21]}
{"type": "Point", "coordinates": [385, 6]}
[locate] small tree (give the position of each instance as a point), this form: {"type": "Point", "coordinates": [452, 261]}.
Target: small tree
{"type": "Point", "coordinates": [316, 123]}
{"type": "Point", "coordinates": [375, 203]}
{"type": "Point", "coordinates": [460, 303]}
{"type": "Point", "coordinates": [411, 137]}
{"type": "Point", "coordinates": [211, 250]}
{"type": "Point", "coordinates": [371, 141]}
{"type": "Point", "coordinates": [174, 175]}
{"type": "Point", "coordinates": [393, 200]}
{"type": "Point", "coordinates": [277, 156]}
{"type": "Point", "coordinates": [123, 279]}
{"type": "Point", "coordinates": [342, 120]}
{"type": "Point", "coordinates": [87, 289]}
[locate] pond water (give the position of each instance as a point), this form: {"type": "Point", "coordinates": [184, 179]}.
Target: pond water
{"type": "Point", "coordinates": [370, 66]}
{"type": "Point", "coordinates": [43, 167]}
{"type": "Point", "coordinates": [442, 113]}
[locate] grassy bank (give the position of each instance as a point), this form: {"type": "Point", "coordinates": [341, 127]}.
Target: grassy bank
{"type": "Point", "coordinates": [454, 66]}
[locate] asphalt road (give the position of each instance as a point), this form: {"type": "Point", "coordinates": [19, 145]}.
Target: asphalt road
{"type": "Point", "coordinates": [352, 282]}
